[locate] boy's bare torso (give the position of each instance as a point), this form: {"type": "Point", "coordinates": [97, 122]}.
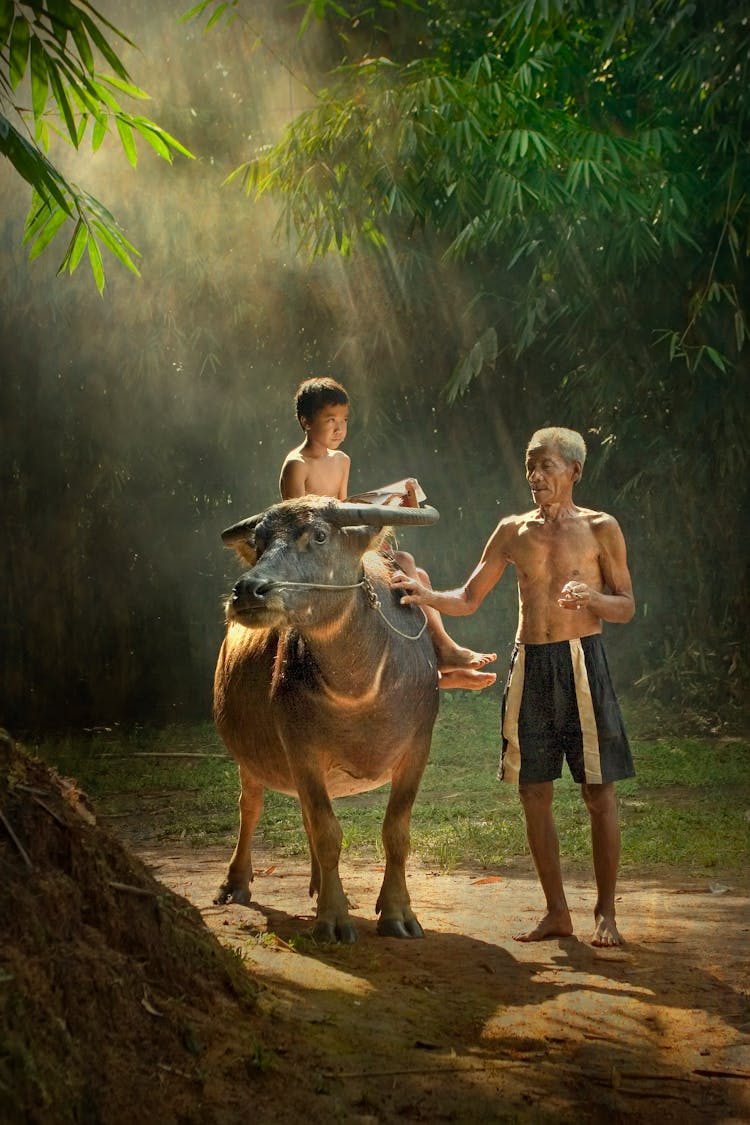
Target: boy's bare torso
{"type": "Point", "coordinates": [547, 554]}
{"type": "Point", "coordinates": [326, 475]}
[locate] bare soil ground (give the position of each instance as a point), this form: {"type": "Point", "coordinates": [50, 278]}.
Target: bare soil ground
{"type": "Point", "coordinates": [121, 1000]}
{"type": "Point", "coordinates": [469, 1025]}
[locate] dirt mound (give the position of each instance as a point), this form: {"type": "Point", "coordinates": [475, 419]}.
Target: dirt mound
{"type": "Point", "coordinates": [116, 1003]}
{"type": "Point", "coordinates": [118, 1006]}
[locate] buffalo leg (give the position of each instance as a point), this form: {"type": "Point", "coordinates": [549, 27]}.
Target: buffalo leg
{"type": "Point", "coordinates": [236, 886]}
{"type": "Point", "coordinates": [324, 834]}
{"type": "Point", "coordinates": [397, 919]}
{"type": "Point", "coordinates": [314, 865]}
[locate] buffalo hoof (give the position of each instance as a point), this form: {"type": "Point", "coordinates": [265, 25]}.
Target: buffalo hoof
{"type": "Point", "coordinates": [227, 893]}
{"type": "Point", "coordinates": [394, 927]}
{"type": "Point", "coordinates": [327, 934]}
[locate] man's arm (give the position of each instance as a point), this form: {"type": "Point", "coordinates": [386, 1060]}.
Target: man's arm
{"type": "Point", "coordinates": [616, 603]}
{"type": "Point", "coordinates": [465, 599]}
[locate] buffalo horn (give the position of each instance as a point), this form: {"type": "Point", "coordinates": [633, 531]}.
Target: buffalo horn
{"type": "Point", "coordinates": [380, 515]}
{"type": "Point", "coordinates": [345, 515]}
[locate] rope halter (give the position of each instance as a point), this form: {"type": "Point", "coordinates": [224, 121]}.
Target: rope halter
{"type": "Point", "coordinates": [372, 598]}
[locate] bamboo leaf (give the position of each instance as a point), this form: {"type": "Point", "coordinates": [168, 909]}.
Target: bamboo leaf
{"type": "Point", "coordinates": [19, 50]}
{"type": "Point", "coordinates": [78, 245]}
{"type": "Point", "coordinates": [103, 19]}
{"type": "Point", "coordinates": [39, 84]}
{"type": "Point", "coordinates": [196, 11]}
{"type": "Point", "coordinates": [118, 245]}
{"type": "Point", "coordinates": [716, 357]}
{"type": "Point", "coordinates": [82, 43]}
{"type": "Point", "coordinates": [216, 16]}
{"type": "Point", "coordinates": [36, 218]}
{"type": "Point", "coordinates": [126, 137]}
{"type": "Point", "coordinates": [740, 329]}
{"type": "Point", "coordinates": [105, 97]}
{"type": "Point", "coordinates": [63, 14]}
{"type": "Point", "coordinates": [7, 8]}
{"type": "Point", "coordinates": [95, 260]}
{"type": "Point", "coordinates": [151, 136]}
{"type": "Point", "coordinates": [32, 165]}
{"type": "Point", "coordinates": [64, 105]}
{"type": "Point", "coordinates": [143, 125]}
{"type": "Point", "coordinates": [48, 232]}
{"type": "Point", "coordinates": [99, 132]}
{"type": "Point", "coordinates": [125, 87]}
{"type": "Point", "coordinates": [106, 50]}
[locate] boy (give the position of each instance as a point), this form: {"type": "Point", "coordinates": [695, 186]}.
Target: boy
{"type": "Point", "coordinates": [318, 466]}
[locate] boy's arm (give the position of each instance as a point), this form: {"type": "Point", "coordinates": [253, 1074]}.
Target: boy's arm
{"type": "Point", "coordinates": [293, 480]}
{"type": "Point", "coordinates": [344, 485]}
{"type": "Point", "coordinates": [465, 599]}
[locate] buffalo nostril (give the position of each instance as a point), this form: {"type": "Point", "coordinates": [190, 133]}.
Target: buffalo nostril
{"type": "Point", "coordinates": [250, 588]}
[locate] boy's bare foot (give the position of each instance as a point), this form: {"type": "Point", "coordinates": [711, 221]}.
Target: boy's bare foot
{"type": "Point", "coordinates": [458, 659]}
{"type": "Point", "coordinates": [551, 925]}
{"type": "Point", "coordinates": [466, 678]}
{"type": "Point", "coordinates": [606, 932]}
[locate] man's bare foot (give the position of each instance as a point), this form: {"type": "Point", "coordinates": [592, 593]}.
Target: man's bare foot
{"type": "Point", "coordinates": [606, 932]}
{"type": "Point", "coordinates": [551, 925]}
{"type": "Point", "coordinates": [458, 659]}
{"type": "Point", "coordinates": [467, 679]}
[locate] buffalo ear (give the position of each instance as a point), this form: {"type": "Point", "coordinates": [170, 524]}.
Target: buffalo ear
{"type": "Point", "coordinates": [240, 537]}
{"type": "Point", "coordinates": [246, 551]}
{"type": "Point", "coordinates": [241, 532]}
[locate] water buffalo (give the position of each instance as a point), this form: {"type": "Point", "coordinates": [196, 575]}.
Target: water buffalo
{"type": "Point", "coordinates": [325, 686]}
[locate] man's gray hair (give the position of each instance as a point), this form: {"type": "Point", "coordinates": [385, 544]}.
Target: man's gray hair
{"type": "Point", "coordinates": [569, 443]}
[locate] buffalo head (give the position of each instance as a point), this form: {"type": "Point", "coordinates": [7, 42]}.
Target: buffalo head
{"type": "Point", "coordinates": [305, 555]}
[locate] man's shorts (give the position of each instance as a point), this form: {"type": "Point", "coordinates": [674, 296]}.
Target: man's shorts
{"type": "Point", "coordinates": [559, 703]}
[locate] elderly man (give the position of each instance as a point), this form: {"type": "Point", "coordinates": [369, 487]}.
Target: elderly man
{"type": "Point", "coordinates": [559, 702]}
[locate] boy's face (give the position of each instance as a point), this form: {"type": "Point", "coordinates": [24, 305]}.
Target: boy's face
{"type": "Point", "coordinates": [328, 427]}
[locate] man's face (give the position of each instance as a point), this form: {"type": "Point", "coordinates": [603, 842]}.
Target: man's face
{"type": "Point", "coordinates": [550, 477]}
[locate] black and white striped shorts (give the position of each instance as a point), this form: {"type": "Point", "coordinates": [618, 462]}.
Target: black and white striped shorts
{"type": "Point", "coordinates": [559, 704]}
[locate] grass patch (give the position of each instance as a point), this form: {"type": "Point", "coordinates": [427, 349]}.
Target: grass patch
{"type": "Point", "coordinates": [688, 807]}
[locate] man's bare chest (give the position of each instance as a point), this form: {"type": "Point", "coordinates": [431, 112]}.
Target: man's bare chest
{"type": "Point", "coordinates": [566, 550]}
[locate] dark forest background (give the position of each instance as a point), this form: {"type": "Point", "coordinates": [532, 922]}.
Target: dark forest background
{"type": "Point", "coordinates": [135, 426]}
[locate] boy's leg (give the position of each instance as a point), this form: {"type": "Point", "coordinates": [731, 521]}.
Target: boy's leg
{"type": "Point", "coordinates": [536, 798]}
{"type": "Point", "coordinates": [605, 845]}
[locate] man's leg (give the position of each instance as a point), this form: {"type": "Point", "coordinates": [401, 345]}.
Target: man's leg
{"type": "Point", "coordinates": [536, 799]}
{"type": "Point", "coordinates": [605, 845]}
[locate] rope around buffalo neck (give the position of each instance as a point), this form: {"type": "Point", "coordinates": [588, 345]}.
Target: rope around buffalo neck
{"type": "Point", "coordinates": [372, 598]}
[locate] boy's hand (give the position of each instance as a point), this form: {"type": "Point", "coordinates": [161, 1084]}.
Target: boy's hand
{"type": "Point", "coordinates": [410, 500]}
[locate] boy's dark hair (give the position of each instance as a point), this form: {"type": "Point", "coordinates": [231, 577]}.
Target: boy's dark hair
{"type": "Point", "coordinates": [315, 394]}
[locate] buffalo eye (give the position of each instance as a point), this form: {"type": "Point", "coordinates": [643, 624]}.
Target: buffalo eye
{"type": "Point", "coordinates": [320, 535]}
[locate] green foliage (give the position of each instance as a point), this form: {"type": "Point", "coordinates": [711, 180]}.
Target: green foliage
{"type": "Point", "coordinates": [587, 162]}
{"type": "Point", "coordinates": [687, 806]}
{"type": "Point", "coordinates": [50, 49]}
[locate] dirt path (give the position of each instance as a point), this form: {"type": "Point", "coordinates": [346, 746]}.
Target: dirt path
{"type": "Point", "coordinates": [470, 1026]}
